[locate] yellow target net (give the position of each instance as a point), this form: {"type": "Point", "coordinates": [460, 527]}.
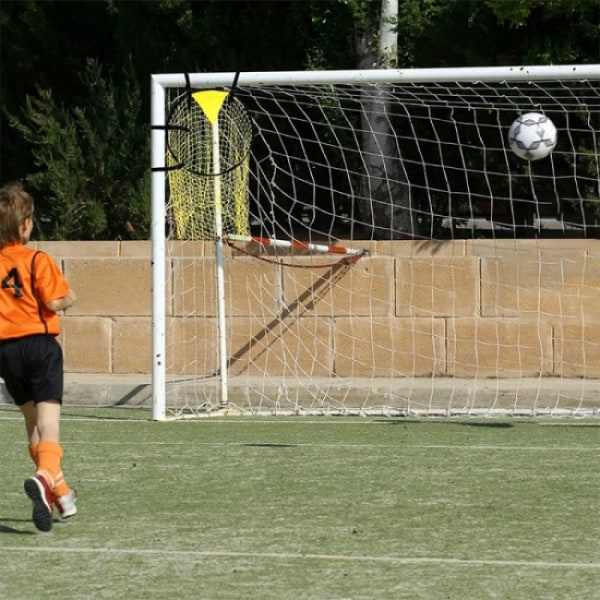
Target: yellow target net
{"type": "Point", "coordinates": [208, 155]}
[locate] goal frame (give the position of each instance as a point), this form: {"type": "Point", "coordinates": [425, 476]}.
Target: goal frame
{"type": "Point", "coordinates": [159, 84]}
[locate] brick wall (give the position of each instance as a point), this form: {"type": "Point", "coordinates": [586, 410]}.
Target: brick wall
{"type": "Point", "coordinates": [461, 308]}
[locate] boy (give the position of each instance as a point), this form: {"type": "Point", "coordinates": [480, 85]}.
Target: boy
{"type": "Point", "coordinates": [32, 290]}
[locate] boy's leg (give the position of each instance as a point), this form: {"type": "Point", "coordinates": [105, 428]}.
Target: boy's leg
{"type": "Point", "coordinates": [32, 367]}
{"type": "Point", "coordinates": [37, 488]}
{"type": "Point", "coordinates": [42, 422]}
{"type": "Point", "coordinates": [30, 415]}
{"type": "Point", "coordinates": [49, 452]}
{"type": "Point", "coordinates": [48, 420]}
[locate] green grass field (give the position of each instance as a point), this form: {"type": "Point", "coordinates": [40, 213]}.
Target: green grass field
{"type": "Point", "coordinates": [309, 508]}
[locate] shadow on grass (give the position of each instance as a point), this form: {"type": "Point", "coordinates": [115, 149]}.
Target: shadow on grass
{"type": "Point", "coordinates": [445, 423]}
{"type": "Point", "coordinates": [7, 529]}
{"type": "Point", "coordinates": [107, 413]}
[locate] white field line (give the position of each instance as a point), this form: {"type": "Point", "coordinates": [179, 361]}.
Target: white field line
{"type": "Point", "coordinates": [395, 560]}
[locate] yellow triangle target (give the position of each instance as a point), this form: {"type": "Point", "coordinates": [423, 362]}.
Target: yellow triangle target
{"type": "Point", "coordinates": [210, 101]}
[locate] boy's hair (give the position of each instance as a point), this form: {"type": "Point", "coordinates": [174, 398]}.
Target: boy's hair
{"type": "Point", "coordinates": [16, 205]}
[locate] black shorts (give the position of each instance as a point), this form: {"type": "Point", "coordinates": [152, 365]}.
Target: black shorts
{"type": "Point", "coordinates": [32, 368]}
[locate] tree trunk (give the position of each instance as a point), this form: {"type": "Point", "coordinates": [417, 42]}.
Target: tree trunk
{"type": "Point", "coordinates": [384, 204]}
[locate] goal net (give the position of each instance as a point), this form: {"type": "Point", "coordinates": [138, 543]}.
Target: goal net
{"type": "Point", "coordinates": [367, 242]}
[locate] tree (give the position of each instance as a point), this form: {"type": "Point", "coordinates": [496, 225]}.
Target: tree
{"type": "Point", "coordinates": [88, 183]}
{"type": "Point", "coordinates": [50, 102]}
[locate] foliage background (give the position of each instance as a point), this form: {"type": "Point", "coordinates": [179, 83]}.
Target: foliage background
{"type": "Point", "coordinates": [75, 77]}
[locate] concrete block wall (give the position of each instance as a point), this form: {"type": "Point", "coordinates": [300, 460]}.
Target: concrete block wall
{"type": "Point", "coordinates": [460, 308]}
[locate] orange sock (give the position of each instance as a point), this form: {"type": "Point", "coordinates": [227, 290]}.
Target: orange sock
{"type": "Point", "coordinates": [33, 453]}
{"type": "Point", "coordinates": [60, 486]}
{"type": "Point", "coordinates": [49, 455]}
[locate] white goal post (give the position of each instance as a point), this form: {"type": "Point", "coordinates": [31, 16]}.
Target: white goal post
{"type": "Point", "coordinates": [379, 249]}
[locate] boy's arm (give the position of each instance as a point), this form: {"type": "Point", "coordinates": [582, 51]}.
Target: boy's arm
{"type": "Point", "coordinates": [51, 287]}
{"type": "Point", "coordinates": [62, 303]}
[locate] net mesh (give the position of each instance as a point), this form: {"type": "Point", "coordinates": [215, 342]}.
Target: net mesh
{"type": "Point", "coordinates": [209, 135]}
{"type": "Point", "coordinates": [422, 161]}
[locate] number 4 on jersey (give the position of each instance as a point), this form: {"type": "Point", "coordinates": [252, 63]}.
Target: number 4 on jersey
{"type": "Point", "coordinates": [12, 280]}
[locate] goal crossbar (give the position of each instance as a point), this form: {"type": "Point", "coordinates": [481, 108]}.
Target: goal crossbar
{"type": "Point", "coordinates": [373, 76]}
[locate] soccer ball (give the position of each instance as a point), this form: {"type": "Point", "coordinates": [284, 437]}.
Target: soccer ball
{"type": "Point", "coordinates": [532, 136]}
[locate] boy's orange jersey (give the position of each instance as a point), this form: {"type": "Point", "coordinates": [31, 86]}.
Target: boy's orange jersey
{"type": "Point", "coordinates": [29, 279]}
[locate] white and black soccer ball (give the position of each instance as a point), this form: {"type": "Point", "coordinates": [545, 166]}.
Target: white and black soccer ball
{"type": "Point", "coordinates": [532, 136]}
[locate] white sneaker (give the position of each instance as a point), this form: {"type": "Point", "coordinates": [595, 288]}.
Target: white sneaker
{"type": "Point", "coordinates": [66, 504]}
